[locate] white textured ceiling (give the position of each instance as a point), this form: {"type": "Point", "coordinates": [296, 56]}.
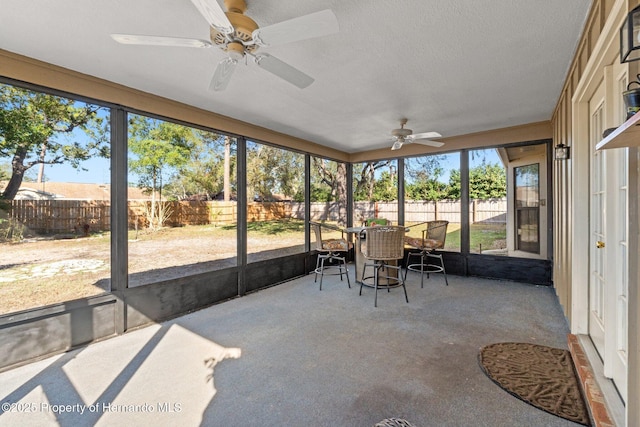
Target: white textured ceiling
{"type": "Point", "coordinates": [452, 66]}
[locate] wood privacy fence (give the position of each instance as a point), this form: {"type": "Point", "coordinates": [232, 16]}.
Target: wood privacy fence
{"type": "Point", "coordinates": [480, 211]}
{"type": "Point", "coordinates": [61, 216]}
{"type": "Point", "coordinates": [84, 216]}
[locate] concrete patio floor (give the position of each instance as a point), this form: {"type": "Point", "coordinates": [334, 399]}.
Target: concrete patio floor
{"type": "Point", "coordinates": [292, 355]}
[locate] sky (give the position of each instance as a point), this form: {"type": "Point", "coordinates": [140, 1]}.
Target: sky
{"type": "Point", "coordinates": [451, 161]}
{"type": "Point", "coordinates": [97, 170]}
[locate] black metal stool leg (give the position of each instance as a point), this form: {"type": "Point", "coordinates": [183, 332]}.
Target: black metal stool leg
{"type": "Point", "coordinates": [346, 271]}
{"type": "Point", "coordinates": [316, 270]}
{"type": "Point", "coordinates": [375, 284]}
{"type": "Point", "coordinates": [444, 272]}
{"type": "Point", "coordinates": [406, 297]}
{"type": "Point", "coordinates": [322, 271]}
{"type": "Point", "coordinates": [425, 267]}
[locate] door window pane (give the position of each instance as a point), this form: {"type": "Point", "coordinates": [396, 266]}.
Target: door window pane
{"type": "Point", "coordinates": [527, 202]}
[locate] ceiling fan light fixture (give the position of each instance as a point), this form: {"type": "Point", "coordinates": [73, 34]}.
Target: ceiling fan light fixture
{"type": "Point", "coordinates": [235, 51]}
{"type": "Point", "coordinates": [396, 145]}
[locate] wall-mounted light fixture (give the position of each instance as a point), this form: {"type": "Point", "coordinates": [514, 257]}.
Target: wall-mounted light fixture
{"type": "Point", "coordinates": [562, 152]}
{"type": "Point", "coordinates": [630, 37]}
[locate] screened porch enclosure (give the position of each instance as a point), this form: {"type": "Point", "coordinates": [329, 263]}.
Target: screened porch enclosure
{"type": "Point", "coordinates": [188, 216]}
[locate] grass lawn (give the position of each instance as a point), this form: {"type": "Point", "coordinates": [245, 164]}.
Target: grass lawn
{"type": "Point", "coordinates": [485, 236]}
{"type": "Point", "coordinates": [56, 270]}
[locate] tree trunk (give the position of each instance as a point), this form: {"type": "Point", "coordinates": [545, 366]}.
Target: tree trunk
{"type": "Point", "coordinates": [154, 182]}
{"type": "Point", "coordinates": [226, 190]}
{"type": "Point", "coordinates": [17, 175]}
{"type": "Point", "coordinates": [43, 152]}
{"type": "Point", "coordinates": [341, 193]}
{"type": "Point", "coordinates": [370, 179]}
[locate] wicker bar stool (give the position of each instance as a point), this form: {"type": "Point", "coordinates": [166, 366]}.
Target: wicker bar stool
{"type": "Point", "coordinates": [433, 238]}
{"type": "Point", "coordinates": [330, 250]}
{"type": "Point", "coordinates": [383, 244]}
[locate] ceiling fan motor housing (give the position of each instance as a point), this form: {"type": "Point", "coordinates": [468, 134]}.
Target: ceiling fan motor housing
{"type": "Point", "coordinates": [401, 133]}
{"type": "Point", "coordinates": [238, 6]}
{"type": "Point", "coordinates": [243, 26]}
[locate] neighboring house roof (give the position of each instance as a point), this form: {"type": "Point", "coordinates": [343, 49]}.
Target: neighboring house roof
{"type": "Point", "coordinates": [275, 197]}
{"type": "Point", "coordinates": [70, 191]}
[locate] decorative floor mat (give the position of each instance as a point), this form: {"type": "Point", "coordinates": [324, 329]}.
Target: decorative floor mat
{"type": "Point", "coordinates": [541, 376]}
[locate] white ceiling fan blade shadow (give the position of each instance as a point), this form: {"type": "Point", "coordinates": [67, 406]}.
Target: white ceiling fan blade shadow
{"type": "Point", "coordinates": [283, 70]}
{"type": "Point", "coordinates": [223, 74]}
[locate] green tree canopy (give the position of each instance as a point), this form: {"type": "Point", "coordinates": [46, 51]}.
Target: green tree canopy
{"type": "Point", "coordinates": [157, 150]}
{"type": "Point", "coordinates": [203, 174]}
{"type": "Point", "coordinates": [486, 181]}
{"type": "Point", "coordinates": [385, 188]}
{"type": "Point", "coordinates": [426, 189]}
{"type": "Point", "coordinates": [272, 170]}
{"type": "Point", "coordinates": [37, 128]}
{"type": "Point", "coordinates": [423, 178]}
{"type": "Point", "coordinates": [364, 179]}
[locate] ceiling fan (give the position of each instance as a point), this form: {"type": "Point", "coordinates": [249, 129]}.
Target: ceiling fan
{"type": "Point", "coordinates": [406, 136]}
{"type": "Point", "coordinates": [239, 36]}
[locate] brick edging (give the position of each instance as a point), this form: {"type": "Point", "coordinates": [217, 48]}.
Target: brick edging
{"type": "Point", "coordinates": [591, 392]}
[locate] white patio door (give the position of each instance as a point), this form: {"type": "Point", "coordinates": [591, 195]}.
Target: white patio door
{"type": "Point", "coordinates": [597, 266]}
{"type": "Point", "coordinates": [617, 254]}
{"type": "Point", "coordinates": [608, 281]}
{"type": "Point", "coordinates": [616, 333]}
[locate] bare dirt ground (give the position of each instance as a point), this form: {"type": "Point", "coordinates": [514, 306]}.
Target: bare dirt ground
{"type": "Point", "coordinates": [38, 272]}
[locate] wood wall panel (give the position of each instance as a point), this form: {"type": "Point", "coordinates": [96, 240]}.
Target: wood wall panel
{"type": "Point", "coordinates": [561, 123]}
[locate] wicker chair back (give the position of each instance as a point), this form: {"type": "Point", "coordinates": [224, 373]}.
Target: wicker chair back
{"type": "Point", "coordinates": [384, 242]}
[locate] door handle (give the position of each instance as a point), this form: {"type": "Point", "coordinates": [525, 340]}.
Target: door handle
{"type": "Point", "coordinates": [599, 244]}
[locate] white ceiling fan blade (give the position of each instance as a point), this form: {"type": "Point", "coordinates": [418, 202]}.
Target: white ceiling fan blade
{"type": "Point", "coordinates": [214, 15]}
{"type": "Point", "coordinates": [429, 143]}
{"type": "Point", "coordinates": [283, 70]}
{"type": "Point", "coordinates": [304, 27]}
{"type": "Point", "coordinates": [426, 135]}
{"type": "Point", "coordinates": [159, 40]}
{"type": "Point", "coordinates": [223, 73]}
